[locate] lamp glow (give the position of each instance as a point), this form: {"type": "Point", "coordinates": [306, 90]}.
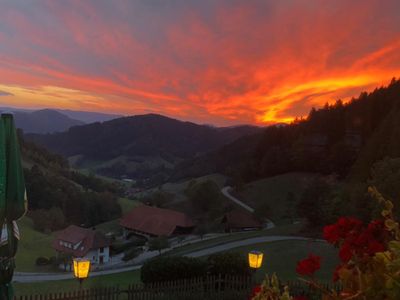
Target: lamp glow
{"type": "Point", "coordinates": [255, 259]}
{"type": "Point", "coordinates": [81, 268]}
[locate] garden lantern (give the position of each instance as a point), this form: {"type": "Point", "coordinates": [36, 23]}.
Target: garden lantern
{"type": "Point", "coordinates": [81, 269]}
{"type": "Point", "coordinates": [255, 259]}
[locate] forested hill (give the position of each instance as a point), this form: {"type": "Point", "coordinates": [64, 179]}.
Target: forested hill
{"type": "Point", "coordinates": [341, 138]}
{"type": "Point", "coordinates": [43, 121]}
{"type": "Point", "coordinates": [140, 135]}
{"type": "Point", "coordinates": [144, 147]}
{"type": "Point", "coordinates": [58, 196]}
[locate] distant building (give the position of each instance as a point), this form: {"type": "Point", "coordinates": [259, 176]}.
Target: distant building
{"type": "Point", "coordinates": [83, 242]}
{"type": "Point", "coordinates": [240, 220]}
{"type": "Point", "coordinates": [151, 221]}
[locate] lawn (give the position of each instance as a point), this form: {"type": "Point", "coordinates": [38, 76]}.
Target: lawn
{"type": "Point", "coordinates": [281, 258]}
{"type": "Point", "coordinates": [120, 279]}
{"type": "Point", "coordinates": [290, 230]}
{"type": "Point", "coordinates": [127, 204]}
{"type": "Point", "coordinates": [113, 226]}
{"type": "Point", "coordinates": [274, 191]}
{"type": "Point", "coordinates": [32, 245]}
{"type": "Point", "coordinates": [178, 188]}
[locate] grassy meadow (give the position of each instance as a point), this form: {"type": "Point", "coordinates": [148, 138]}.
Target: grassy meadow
{"type": "Point", "coordinates": [281, 257]}
{"type": "Point", "coordinates": [32, 245]}
{"type": "Point", "coordinates": [274, 192]}
{"type": "Point", "coordinates": [120, 279]}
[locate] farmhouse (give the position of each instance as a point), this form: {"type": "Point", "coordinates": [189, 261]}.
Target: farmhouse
{"type": "Point", "coordinates": [151, 221]}
{"type": "Point", "coordinates": [83, 242]}
{"type": "Point", "coordinates": [240, 220]}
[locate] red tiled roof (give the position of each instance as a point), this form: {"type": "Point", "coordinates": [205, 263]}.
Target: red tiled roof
{"type": "Point", "coordinates": [155, 221]}
{"type": "Point", "coordinates": [241, 219]}
{"type": "Point", "coordinates": [90, 239]}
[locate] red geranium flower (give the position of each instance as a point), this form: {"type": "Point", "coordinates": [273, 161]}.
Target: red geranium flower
{"type": "Point", "coordinates": [374, 247]}
{"type": "Point", "coordinates": [308, 266]}
{"type": "Point", "coordinates": [256, 290]}
{"type": "Point", "coordinates": [336, 276]}
{"type": "Point", "coordinates": [345, 253]}
{"type": "Point", "coordinates": [331, 233]}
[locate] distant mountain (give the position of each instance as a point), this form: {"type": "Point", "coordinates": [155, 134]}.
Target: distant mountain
{"type": "Point", "coordinates": [139, 145]}
{"type": "Point", "coordinates": [88, 116]}
{"type": "Point", "coordinates": [42, 121]}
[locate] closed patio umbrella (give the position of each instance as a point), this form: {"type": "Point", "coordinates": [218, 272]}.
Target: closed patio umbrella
{"type": "Point", "coordinates": [13, 202]}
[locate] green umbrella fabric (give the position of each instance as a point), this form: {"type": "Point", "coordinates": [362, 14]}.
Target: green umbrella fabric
{"type": "Point", "coordinates": [13, 202]}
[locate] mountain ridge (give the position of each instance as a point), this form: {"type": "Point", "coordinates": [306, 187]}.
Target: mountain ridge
{"type": "Point", "coordinates": [139, 141]}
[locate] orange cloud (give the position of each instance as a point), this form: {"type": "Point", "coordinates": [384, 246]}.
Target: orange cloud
{"type": "Point", "coordinates": [224, 62]}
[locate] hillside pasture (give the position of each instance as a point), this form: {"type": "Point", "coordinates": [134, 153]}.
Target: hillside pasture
{"type": "Point", "coordinates": [274, 191]}
{"type": "Point", "coordinates": [33, 244]}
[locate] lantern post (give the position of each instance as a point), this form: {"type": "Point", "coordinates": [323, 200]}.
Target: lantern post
{"type": "Point", "coordinates": [81, 269]}
{"type": "Point", "coordinates": [255, 261]}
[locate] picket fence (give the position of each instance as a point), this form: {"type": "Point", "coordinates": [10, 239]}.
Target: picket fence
{"type": "Point", "coordinates": [211, 287]}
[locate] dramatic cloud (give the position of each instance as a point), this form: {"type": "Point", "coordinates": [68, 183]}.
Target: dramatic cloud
{"type": "Point", "coordinates": [3, 93]}
{"type": "Point", "coordinates": [222, 62]}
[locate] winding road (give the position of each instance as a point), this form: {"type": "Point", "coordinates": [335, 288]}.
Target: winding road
{"type": "Point", "coordinates": [40, 277]}
{"type": "Point", "coordinates": [226, 192]}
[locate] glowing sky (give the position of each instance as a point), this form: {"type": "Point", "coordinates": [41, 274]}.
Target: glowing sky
{"type": "Point", "coordinates": [221, 62]}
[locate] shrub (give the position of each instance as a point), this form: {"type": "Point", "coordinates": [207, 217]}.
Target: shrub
{"type": "Point", "coordinates": [134, 242]}
{"type": "Point", "coordinates": [42, 261]}
{"type": "Point", "coordinates": [159, 243]}
{"type": "Point", "coordinates": [370, 260]}
{"type": "Point", "coordinates": [172, 268]}
{"type": "Point", "coordinates": [229, 263]}
{"type": "Point", "coordinates": [131, 254]}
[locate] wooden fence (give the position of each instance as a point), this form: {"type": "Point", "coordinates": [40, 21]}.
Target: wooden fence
{"type": "Point", "coordinates": [212, 287]}
{"type": "Point", "coordinates": [206, 288]}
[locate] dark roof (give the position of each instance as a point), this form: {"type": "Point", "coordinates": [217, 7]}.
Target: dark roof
{"type": "Point", "coordinates": [155, 221]}
{"type": "Point", "coordinates": [241, 219]}
{"type": "Point", "coordinates": [90, 239]}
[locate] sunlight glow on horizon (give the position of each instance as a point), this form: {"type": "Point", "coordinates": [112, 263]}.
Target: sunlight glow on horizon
{"type": "Point", "coordinates": [223, 63]}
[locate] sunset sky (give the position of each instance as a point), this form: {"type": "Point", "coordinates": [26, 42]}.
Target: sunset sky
{"type": "Point", "coordinates": [218, 62]}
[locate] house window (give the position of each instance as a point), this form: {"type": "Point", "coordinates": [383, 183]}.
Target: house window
{"type": "Point", "coordinates": [102, 250]}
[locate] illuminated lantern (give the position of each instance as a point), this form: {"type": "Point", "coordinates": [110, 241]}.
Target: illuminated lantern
{"type": "Point", "coordinates": [81, 268]}
{"type": "Point", "coordinates": [255, 259]}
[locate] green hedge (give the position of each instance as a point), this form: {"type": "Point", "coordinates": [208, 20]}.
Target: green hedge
{"type": "Point", "coordinates": [172, 268]}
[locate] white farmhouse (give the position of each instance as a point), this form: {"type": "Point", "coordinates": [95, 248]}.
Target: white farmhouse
{"type": "Point", "coordinates": [83, 242]}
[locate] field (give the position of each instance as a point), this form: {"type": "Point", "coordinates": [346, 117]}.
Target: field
{"type": "Point", "coordinates": [32, 245]}
{"type": "Point", "coordinates": [121, 279]}
{"type": "Point", "coordinates": [127, 204]}
{"type": "Point", "coordinates": [178, 188]}
{"type": "Point", "coordinates": [274, 192]}
{"type": "Point", "coordinates": [130, 163]}
{"type": "Point", "coordinates": [290, 230]}
{"type": "Point", "coordinates": [113, 226]}
{"type": "Point", "coordinates": [281, 258]}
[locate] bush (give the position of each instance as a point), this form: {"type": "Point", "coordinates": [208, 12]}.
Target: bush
{"type": "Point", "coordinates": [131, 254]}
{"type": "Point", "coordinates": [159, 243]}
{"type": "Point", "coordinates": [172, 268]}
{"type": "Point", "coordinates": [42, 261]}
{"type": "Point", "coordinates": [134, 242]}
{"type": "Point", "coordinates": [229, 263]}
